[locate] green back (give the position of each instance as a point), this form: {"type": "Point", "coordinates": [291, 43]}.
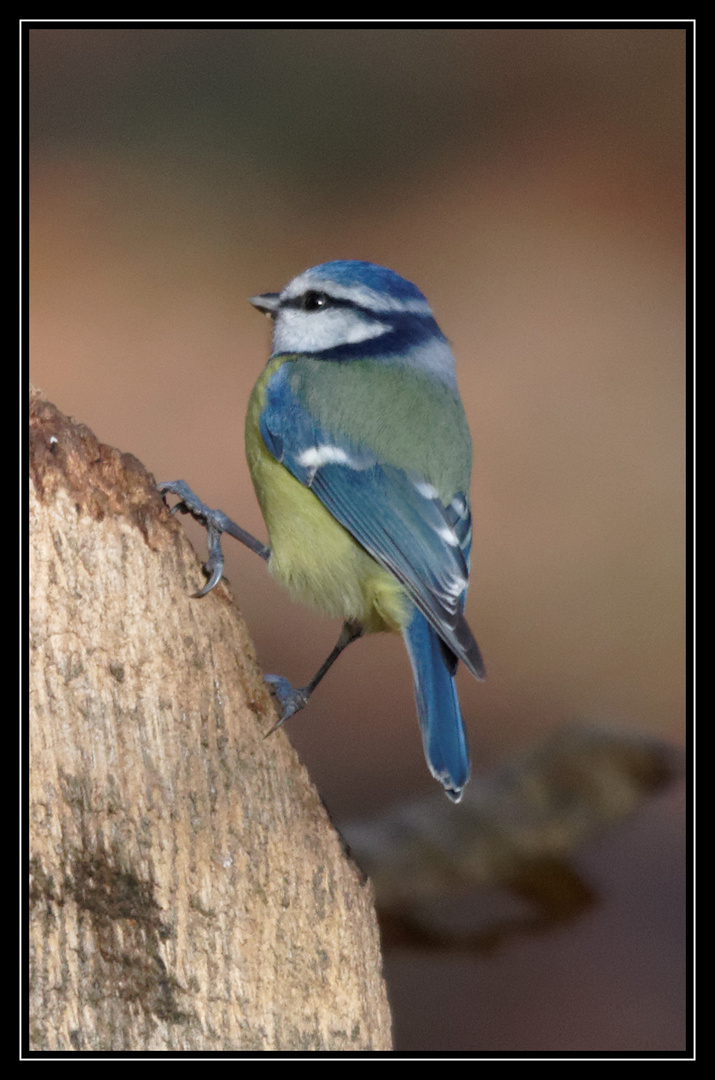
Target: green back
{"type": "Point", "coordinates": [409, 418]}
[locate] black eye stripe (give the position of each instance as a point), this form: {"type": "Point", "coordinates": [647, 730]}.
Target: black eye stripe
{"type": "Point", "coordinates": [315, 300]}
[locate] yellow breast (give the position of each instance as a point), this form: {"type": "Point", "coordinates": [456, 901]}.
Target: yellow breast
{"type": "Point", "coordinates": [318, 560]}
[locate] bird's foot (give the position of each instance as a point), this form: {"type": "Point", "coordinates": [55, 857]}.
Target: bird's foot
{"type": "Point", "coordinates": [289, 699]}
{"type": "Point", "coordinates": [214, 522]}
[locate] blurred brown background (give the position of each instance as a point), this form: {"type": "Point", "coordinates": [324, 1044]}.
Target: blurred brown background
{"type": "Point", "coordinates": [532, 183]}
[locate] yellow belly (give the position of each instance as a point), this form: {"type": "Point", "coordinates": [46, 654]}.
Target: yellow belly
{"type": "Point", "coordinates": [318, 561]}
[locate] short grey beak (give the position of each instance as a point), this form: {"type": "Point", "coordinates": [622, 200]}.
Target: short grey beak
{"type": "Point", "coordinates": [267, 302]}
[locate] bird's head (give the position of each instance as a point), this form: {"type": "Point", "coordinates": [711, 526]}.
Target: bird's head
{"type": "Point", "coordinates": [346, 309]}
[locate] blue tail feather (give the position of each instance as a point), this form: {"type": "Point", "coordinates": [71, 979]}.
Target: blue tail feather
{"type": "Point", "coordinates": [445, 744]}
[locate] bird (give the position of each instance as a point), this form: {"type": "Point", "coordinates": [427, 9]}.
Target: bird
{"type": "Point", "coordinates": [360, 455]}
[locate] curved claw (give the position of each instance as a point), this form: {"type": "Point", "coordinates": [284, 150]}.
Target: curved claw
{"type": "Point", "coordinates": [215, 523]}
{"type": "Point", "coordinates": [214, 573]}
{"type": "Point", "coordinates": [214, 564]}
{"type": "Point", "coordinates": [290, 699]}
{"type": "Point", "coordinates": [213, 520]}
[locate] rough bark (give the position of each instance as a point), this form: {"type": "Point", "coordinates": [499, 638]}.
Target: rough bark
{"type": "Point", "coordinates": [187, 889]}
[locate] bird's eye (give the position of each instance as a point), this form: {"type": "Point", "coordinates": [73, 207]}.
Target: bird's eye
{"type": "Point", "coordinates": [313, 300]}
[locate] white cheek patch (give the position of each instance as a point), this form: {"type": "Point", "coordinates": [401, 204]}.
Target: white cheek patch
{"type": "Point", "coordinates": [313, 331]}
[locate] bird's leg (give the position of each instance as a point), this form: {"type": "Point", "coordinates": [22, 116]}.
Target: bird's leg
{"type": "Point", "coordinates": [216, 522]}
{"type": "Point", "coordinates": [290, 699]}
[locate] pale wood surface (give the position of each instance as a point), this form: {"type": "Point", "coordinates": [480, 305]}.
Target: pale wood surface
{"type": "Point", "coordinates": [188, 891]}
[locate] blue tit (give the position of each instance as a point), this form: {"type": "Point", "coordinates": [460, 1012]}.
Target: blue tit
{"type": "Point", "coordinates": [360, 456]}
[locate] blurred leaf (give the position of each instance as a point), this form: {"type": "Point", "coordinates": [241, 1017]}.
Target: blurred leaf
{"type": "Point", "coordinates": [513, 834]}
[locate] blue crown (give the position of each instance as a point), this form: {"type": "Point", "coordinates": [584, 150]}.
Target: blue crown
{"type": "Point", "coordinates": [353, 272]}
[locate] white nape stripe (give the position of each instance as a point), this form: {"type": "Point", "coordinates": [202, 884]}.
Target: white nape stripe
{"type": "Point", "coordinates": [314, 457]}
{"type": "Point", "coordinates": [433, 356]}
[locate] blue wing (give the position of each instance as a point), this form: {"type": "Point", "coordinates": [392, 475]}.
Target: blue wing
{"type": "Point", "coordinates": [392, 513]}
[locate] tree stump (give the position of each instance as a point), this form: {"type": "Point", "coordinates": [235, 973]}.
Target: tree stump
{"type": "Point", "coordinates": [188, 891]}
